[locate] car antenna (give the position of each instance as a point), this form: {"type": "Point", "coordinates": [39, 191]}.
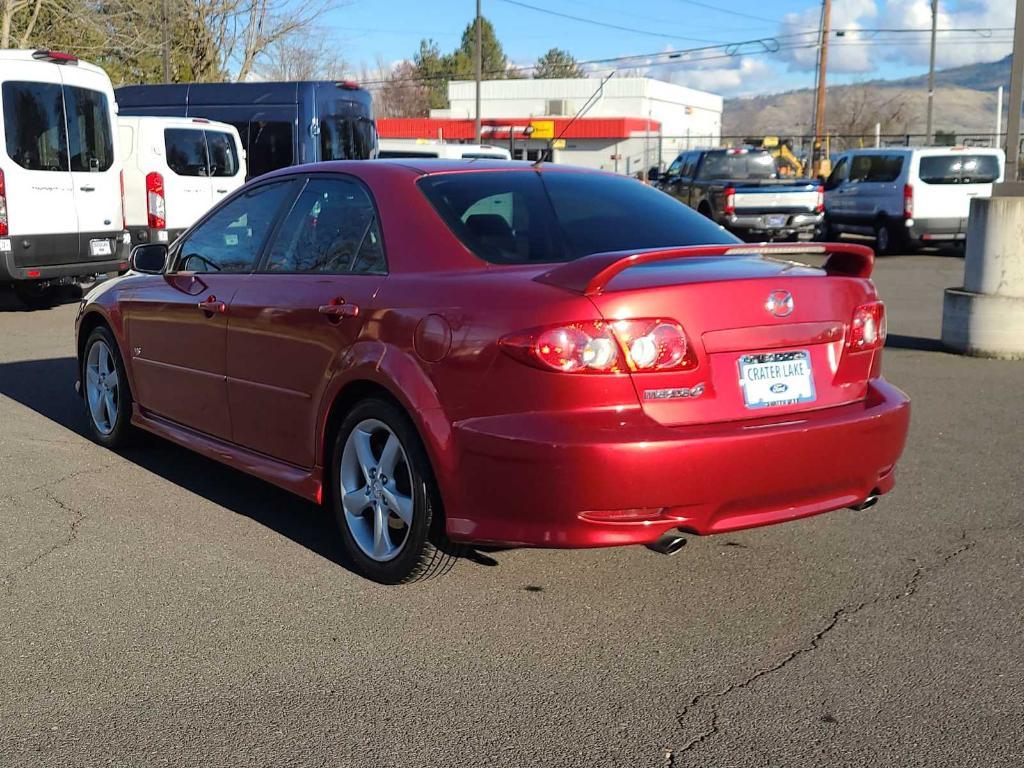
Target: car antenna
{"type": "Point", "coordinates": [587, 106]}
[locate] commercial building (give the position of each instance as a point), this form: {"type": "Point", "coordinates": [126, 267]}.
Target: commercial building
{"type": "Point", "coordinates": [632, 123]}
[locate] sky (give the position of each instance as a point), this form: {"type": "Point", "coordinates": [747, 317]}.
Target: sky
{"type": "Point", "coordinates": [777, 37]}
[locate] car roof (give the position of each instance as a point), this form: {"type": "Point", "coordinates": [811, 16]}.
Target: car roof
{"type": "Point", "coordinates": [427, 166]}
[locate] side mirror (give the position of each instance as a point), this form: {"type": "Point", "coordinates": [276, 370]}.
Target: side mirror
{"type": "Point", "coordinates": [654, 174]}
{"type": "Point", "coordinates": [149, 259]}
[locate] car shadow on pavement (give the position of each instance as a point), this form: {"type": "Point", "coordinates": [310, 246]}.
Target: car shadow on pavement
{"type": "Point", "coordinates": [47, 387]}
{"type": "Point", "coordinates": [10, 302]}
{"type": "Point", "coordinates": [920, 343]}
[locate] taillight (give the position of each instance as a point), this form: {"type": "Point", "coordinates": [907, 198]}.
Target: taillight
{"type": "Point", "coordinates": [155, 205]}
{"type": "Point", "coordinates": [908, 201]}
{"type": "Point", "coordinates": [867, 331]}
{"type": "Point", "coordinates": [600, 347]}
{"type": "Point", "coordinates": [124, 215]}
{"type": "Point", "coordinates": [730, 200]}
{"type": "Point", "coordinates": [4, 229]}
{"type": "Point", "coordinates": [819, 205]}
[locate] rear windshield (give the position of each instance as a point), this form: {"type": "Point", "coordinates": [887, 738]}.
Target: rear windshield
{"type": "Point", "coordinates": [49, 127]}
{"type": "Point", "coordinates": [743, 166]}
{"type": "Point", "coordinates": [192, 152]}
{"type": "Point", "coordinates": [347, 131]}
{"type": "Point", "coordinates": [522, 217]}
{"type": "Point", "coordinates": [959, 169]}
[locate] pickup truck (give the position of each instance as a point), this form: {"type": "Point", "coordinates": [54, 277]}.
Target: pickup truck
{"type": "Point", "coordinates": [741, 190]}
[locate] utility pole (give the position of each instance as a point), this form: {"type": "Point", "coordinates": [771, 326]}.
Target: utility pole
{"type": "Point", "coordinates": [1016, 89]}
{"type": "Point", "coordinates": [930, 137]}
{"type": "Point", "coordinates": [819, 109]}
{"type": "Point", "coordinates": [479, 71]}
{"type": "Point", "coordinates": [166, 43]}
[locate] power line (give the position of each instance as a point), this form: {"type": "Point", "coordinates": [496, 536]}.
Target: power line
{"type": "Point", "coordinates": [706, 6]}
{"type": "Point", "coordinates": [606, 25]}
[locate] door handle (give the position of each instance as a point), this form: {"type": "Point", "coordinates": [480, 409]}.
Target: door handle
{"type": "Point", "coordinates": [211, 306]}
{"type": "Point", "coordinates": [87, 188]}
{"type": "Point", "coordinates": [337, 309]}
{"type": "Point", "coordinates": [221, 191]}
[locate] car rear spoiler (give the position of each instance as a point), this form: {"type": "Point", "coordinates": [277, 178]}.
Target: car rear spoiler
{"type": "Point", "coordinates": [591, 274]}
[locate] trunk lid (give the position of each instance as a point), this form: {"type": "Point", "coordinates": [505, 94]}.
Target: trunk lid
{"type": "Point", "coordinates": [753, 322]}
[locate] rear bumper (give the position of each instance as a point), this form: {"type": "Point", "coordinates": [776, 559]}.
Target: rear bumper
{"type": "Point", "coordinates": [927, 230]}
{"type": "Point", "coordinates": [562, 480]}
{"type": "Point", "coordinates": [765, 222]}
{"type": "Point", "coordinates": [47, 257]}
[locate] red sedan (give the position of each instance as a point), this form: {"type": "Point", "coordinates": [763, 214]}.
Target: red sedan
{"type": "Point", "coordinates": [499, 353]}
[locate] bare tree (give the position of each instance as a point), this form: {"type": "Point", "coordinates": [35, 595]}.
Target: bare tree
{"type": "Point", "coordinates": [10, 9]}
{"type": "Point", "coordinates": [398, 91]}
{"type": "Point", "coordinates": [856, 108]}
{"type": "Point", "coordinates": [301, 57]}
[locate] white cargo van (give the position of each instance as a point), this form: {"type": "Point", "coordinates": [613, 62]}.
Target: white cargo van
{"type": "Point", "coordinates": [61, 215]}
{"type": "Point", "coordinates": [175, 170]}
{"type": "Point", "coordinates": [908, 197]}
{"type": "Point", "coordinates": [395, 148]}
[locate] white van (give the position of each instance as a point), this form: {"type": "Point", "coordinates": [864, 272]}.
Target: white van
{"type": "Point", "coordinates": [908, 197]}
{"type": "Point", "coordinates": [175, 170]}
{"type": "Point", "coordinates": [61, 215]}
{"type": "Point", "coordinates": [390, 148]}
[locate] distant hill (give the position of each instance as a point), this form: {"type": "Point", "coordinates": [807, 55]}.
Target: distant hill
{"type": "Point", "coordinates": [965, 102]}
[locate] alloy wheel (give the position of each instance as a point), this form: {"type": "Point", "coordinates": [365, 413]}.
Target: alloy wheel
{"type": "Point", "coordinates": [376, 490]}
{"type": "Point", "coordinates": [102, 387]}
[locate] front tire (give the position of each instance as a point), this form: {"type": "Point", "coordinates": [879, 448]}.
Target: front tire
{"type": "Point", "coordinates": [384, 497]}
{"type": "Point", "coordinates": [888, 239]}
{"type": "Point", "coordinates": [108, 399]}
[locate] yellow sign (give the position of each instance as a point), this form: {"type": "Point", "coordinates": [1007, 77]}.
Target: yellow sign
{"type": "Point", "coordinates": [770, 141]}
{"type": "Point", "coordinates": [542, 129]}
{"type": "Point", "coordinates": [558, 144]}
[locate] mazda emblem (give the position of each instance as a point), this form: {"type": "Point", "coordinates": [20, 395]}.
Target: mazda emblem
{"type": "Point", "coordinates": [780, 303]}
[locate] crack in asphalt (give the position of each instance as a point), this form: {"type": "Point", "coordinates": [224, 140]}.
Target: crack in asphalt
{"type": "Point", "coordinates": [712, 696]}
{"type": "Point", "coordinates": [77, 516]}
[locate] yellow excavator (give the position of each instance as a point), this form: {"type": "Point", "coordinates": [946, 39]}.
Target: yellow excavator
{"type": "Point", "coordinates": [782, 150]}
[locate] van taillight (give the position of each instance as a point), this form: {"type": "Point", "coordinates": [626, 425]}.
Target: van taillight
{"type": "Point", "coordinates": [730, 200]}
{"type": "Point", "coordinates": [156, 207]}
{"type": "Point", "coordinates": [4, 231]}
{"type": "Point", "coordinates": [908, 201]}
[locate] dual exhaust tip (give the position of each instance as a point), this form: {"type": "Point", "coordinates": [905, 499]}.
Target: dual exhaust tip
{"type": "Point", "coordinates": [670, 543]}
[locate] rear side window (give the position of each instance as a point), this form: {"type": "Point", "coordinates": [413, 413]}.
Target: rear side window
{"type": "Point", "coordinates": [331, 228]}
{"type": "Point", "coordinates": [881, 168]}
{"type": "Point", "coordinates": [519, 217]}
{"type": "Point", "coordinates": [959, 169]}
{"type": "Point", "coordinates": [34, 125]}
{"type": "Point", "coordinates": [90, 138]}
{"type": "Point", "coordinates": [223, 153]}
{"type": "Point", "coordinates": [270, 146]}
{"type": "Point", "coordinates": [55, 128]}
{"type": "Point", "coordinates": [232, 238]}
{"type": "Point", "coordinates": [186, 152]}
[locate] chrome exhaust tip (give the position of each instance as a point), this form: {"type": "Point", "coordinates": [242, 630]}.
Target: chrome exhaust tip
{"type": "Point", "coordinates": [668, 544]}
{"type": "Point", "coordinates": [868, 503]}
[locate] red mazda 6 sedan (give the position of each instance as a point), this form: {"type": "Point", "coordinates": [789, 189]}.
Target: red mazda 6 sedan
{"type": "Point", "coordinates": [499, 353]}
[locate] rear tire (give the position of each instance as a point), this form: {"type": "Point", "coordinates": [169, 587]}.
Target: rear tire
{"type": "Point", "coordinates": [105, 390]}
{"type": "Point", "coordinates": [384, 497]}
{"type": "Point", "coordinates": [888, 238]}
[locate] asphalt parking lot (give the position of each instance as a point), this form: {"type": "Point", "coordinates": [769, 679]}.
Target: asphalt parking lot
{"type": "Point", "coordinates": [157, 608]}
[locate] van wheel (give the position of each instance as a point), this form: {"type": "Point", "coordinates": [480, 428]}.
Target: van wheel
{"type": "Point", "coordinates": [384, 496]}
{"type": "Point", "coordinates": [888, 239]}
{"type": "Point", "coordinates": [33, 294]}
{"type": "Point", "coordinates": [108, 400]}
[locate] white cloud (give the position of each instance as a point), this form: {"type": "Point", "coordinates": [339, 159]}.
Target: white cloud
{"type": "Point", "coordinates": [801, 29]}
{"type": "Point", "coordinates": [730, 77]}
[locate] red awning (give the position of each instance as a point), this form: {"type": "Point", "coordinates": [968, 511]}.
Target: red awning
{"type": "Point", "coordinates": [453, 129]}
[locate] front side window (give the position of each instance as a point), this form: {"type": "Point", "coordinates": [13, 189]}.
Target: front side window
{"type": "Point", "coordinates": [232, 238]}
{"type": "Point", "coordinates": [331, 228]}
{"type": "Point", "coordinates": [520, 217]}
{"type": "Point", "coordinates": [34, 125]}
{"type": "Point", "coordinates": [223, 153]}
{"type": "Point", "coordinates": [186, 152]}
{"type": "Point", "coordinates": [90, 137]}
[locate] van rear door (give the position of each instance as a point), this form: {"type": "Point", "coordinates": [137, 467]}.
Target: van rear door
{"type": "Point", "coordinates": [948, 181]}
{"type": "Point", "coordinates": [227, 166]}
{"type": "Point", "coordinates": [95, 174]}
{"type": "Point", "coordinates": [187, 190]}
{"type": "Point", "coordinates": [40, 197]}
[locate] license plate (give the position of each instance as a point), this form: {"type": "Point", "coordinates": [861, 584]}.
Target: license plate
{"type": "Point", "coordinates": [776, 221]}
{"type": "Point", "coordinates": [99, 248]}
{"type": "Point", "coordinates": [776, 378]}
